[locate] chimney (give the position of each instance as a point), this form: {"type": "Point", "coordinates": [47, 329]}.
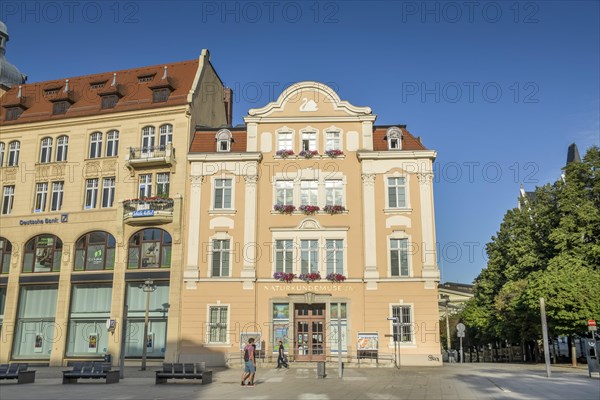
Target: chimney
{"type": "Point", "coordinates": [228, 102]}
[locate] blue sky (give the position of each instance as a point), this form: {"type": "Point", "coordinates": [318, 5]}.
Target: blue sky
{"type": "Point", "coordinates": [498, 88]}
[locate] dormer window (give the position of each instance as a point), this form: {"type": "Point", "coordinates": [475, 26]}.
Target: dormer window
{"type": "Point", "coordinates": [60, 107]}
{"type": "Point", "coordinates": [52, 91]}
{"type": "Point", "coordinates": [145, 78]}
{"type": "Point", "coordinates": [160, 95]}
{"type": "Point", "coordinates": [224, 139]}
{"type": "Point", "coordinates": [394, 138]}
{"type": "Point", "coordinates": [97, 85]}
{"type": "Point", "coordinates": [109, 101]}
{"type": "Point", "coordinates": [13, 113]}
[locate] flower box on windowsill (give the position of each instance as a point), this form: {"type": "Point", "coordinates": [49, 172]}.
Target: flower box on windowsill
{"type": "Point", "coordinates": [284, 208]}
{"type": "Point", "coordinates": [334, 153]}
{"type": "Point", "coordinates": [333, 277]}
{"type": "Point", "coordinates": [308, 153]}
{"type": "Point", "coordinates": [284, 153]}
{"type": "Point", "coordinates": [309, 210]}
{"type": "Point", "coordinates": [334, 209]}
{"type": "Point", "coordinates": [310, 277]}
{"type": "Point", "coordinates": [284, 276]}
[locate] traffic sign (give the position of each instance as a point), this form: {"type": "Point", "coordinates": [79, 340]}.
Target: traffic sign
{"type": "Point", "coordinates": [592, 325]}
{"type": "Point", "coordinates": [460, 327]}
{"type": "Point", "coordinates": [460, 334]}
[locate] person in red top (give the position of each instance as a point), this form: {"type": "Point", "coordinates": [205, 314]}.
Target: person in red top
{"type": "Point", "coordinates": [249, 363]}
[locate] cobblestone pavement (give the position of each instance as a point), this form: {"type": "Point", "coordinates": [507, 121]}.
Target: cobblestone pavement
{"type": "Point", "coordinates": [456, 381]}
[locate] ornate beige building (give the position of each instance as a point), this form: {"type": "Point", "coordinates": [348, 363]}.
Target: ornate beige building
{"type": "Point", "coordinates": [310, 187]}
{"type": "Point", "coordinates": [93, 181]}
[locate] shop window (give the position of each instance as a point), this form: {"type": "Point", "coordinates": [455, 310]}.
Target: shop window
{"type": "Point", "coordinates": [43, 253]}
{"type": "Point", "coordinates": [95, 251]}
{"type": "Point", "coordinates": [150, 248]}
{"type": "Point", "coordinates": [5, 253]}
{"type": "Point", "coordinates": [281, 323]}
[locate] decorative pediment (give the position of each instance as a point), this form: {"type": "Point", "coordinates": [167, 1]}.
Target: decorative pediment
{"type": "Point", "coordinates": [309, 224]}
{"type": "Point", "coordinates": [308, 100]}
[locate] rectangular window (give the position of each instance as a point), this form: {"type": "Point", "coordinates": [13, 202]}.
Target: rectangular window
{"type": "Point", "coordinates": [402, 327]}
{"type": "Point", "coordinates": [309, 193]}
{"type": "Point", "coordinates": [145, 186]}
{"type": "Point", "coordinates": [162, 184]}
{"type": "Point", "coordinates": [333, 141]}
{"type": "Point", "coordinates": [281, 321]}
{"type": "Point", "coordinates": [91, 193]}
{"type": "Point", "coordinates": [284, 256]}
{"type": "Point", "coordinates": [399, 257]}
{"type": "Point", "coordinates": [217, 325]}
{"type": "Point", "coordinates": [335, 256]}
{"type": "Point", "coordinates": [57, 196]}
{"type": "Point", "coordinates": [220, 257]}
{"type": "Point", "coordinates": [112, 143]}
{"type": "Point", "coordinates": [60, 107]}
{"type": "Point", "coordinates": [62, 147]}
{"type": "Point", "coordinates": [160, 95]}
{"type": "Point", "coordinates": [284, 141]}
{"type": "Point", "coordinates": [338, 319]}
{"type": "Point", "coordinates": [8, 199]}
{"type": "Point", "coordinates": [222, 194]}
{"type": "Point", "coordinates": [396, 192]}
{"type": "Point", "coordinates": [108, 192]}
{"type": "Point", "coordinates": [309, 256]}
{"type": "Point", "coordinates": [285, 192]}
{"type": "Point", "coordinates": [41, 194]}
{"type": "Point", "coordinates": [309, 140]}
{"type": "Point", "coordinates": [109, 101]}
{"type": "Point", "coordinates": [333, 192]}
{"type": "Point", "coordinates": [13, 113]}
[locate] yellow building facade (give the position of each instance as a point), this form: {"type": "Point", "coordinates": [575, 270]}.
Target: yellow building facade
{"type": "Point", "coordinates": [314, 226]}
{"type": "Point", "coordinates": [93, 179]}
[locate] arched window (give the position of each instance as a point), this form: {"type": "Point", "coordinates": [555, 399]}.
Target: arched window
{"type": "Point", "coordinates": [1, 154]}
{"type": "Point", "coordinates": [5, 251]}
{"type": "Point", "coordinates": [150, 248]}
{"type": "Point", "coordinates": [147, 139]}
{"type": "Point", "coordinates": [112, 143]}
{"type": "Point", "coordinates": [62, 147]}
{"type": "Point", "coordinates": [96, 145]}
{"type": "Point", "coordinates": [14, 148]}
{"type": "Point", "coordinates": [394, 138]}
{"type": "Point", "coordinates": [46, 150]}
{"type": "Point", "coordinates": [166, 135]}
{"type": "Point", "coordinates": [224, 139]}
{"type": "Point", "coordinates": [95, 251]}
{"type": "Point", "coordinates": [43, 253]}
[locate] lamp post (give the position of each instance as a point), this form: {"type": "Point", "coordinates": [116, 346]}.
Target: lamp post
{"type": "Point", "coordinates": [148, 287]}
{"type": "Point", "coordinates": [446, 299]}
{"type": "Point", "coordinates": [394, 336]}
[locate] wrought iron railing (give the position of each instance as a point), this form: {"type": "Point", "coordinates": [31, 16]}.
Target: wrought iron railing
{"type": "Point", "coordinates": [136, 153]}
{"type": "Point", "coordinates": [152, 203]}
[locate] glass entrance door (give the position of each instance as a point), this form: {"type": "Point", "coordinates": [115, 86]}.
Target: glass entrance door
{"type": "Point", "coordinates": [309, 343]}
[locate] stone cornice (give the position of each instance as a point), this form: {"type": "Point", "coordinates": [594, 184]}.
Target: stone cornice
{"type": "Point", "coordinates": [395, 154]}
{"type": "Point", "coordinates": [219, 157]}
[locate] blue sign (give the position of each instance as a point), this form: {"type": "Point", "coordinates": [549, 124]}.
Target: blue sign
{"type": "Point", "coordinates": [142, 213]}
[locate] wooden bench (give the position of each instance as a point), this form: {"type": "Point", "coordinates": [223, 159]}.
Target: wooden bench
{"type": "Point", "coordinates": [17, 371]}
{"type": "Point", "coordinates": [184, 371]}
{"type": "Point", "coordinates": [91, 370]}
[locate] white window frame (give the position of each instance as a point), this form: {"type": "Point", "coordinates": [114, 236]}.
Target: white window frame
{"type": "Point", "coordinates": [2, 150]}
{"type": "Point", "coordinates": [95, 150]}
{"type": "Point", "coordinates": [112, 143]}
{"type": "Point", "coordinates": [406, 177]}
{"type": "Point", "coordinates": [223, 139]}
{"type": "Point", "coordinates": [8, 199]}
{"type": "Point", "coordinates": [165, 136]}
{"type": "Point", "coordinates": [163, 180]}
{"type": "Point", "coordinates": [108, 192]}
{"type": "Point", "coordinates": [41, 197]}
{"type": "Point", "coordinates": [394, 138]}
{"type": "Point", "coordinates": [313, 141]}
{"type": "Point", "coordinates": [209, 324]}
{"type": "Point", "coordinates": [334, 192]}
{"type": "Point", "coordinates": [145, 185]}
{"type": "Point", "coordinates": [148, 142]}
{"type": "Point", "coordinates": [311, 253]}
{"type": "Point", "coordinates": [220, 238]}
{"type": "Point", "coordinates": [287, 144]}
{"type": "Point", "coordinates": [91, 194]}
{"type": "Point", "coordinates": [313, 192]}
{"type": "Point", "coordinates": [62, 148]}
{"type": "Point", "coordinates": [56, 198]}
{"type": "Point", "coordinates": [45, 150]}
{"type": "Point", "coordinates": [14, 151]}
{"type": "Point", "coordinates": [214, 193]}
{"type": "Point", "coordinates": [400, 235]}
{"type": "Point", "coordinates": [286, 257]}
{"type": "Point", "coordinates": [328, 140]}
{"type": "Point", "coordinates": [285, 186]}
{"type": "Point", "coordinates": [412, 342]}
{"type": "Point", "coordinates": [335, 250]}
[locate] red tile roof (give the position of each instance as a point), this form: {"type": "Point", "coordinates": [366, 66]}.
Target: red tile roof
{"type": "Point", "coordinates": [409, 142]}
{"type": "Point", "coordinates": [204, 141]}
{"type": "Point", "coordinates": [87, 101]}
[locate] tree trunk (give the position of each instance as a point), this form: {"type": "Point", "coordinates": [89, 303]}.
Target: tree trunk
{"type": "Point", "coordinates": [573, 351]}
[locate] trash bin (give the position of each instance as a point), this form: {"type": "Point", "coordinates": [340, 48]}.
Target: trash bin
{"type": "Point", "coordinates": [321, 369]}
{"type": "Point", "coordinates": [108, 358]}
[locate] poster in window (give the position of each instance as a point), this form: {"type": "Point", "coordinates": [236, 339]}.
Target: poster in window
{"type": "Point", "coordinates": [247, 335]}
{"type": "Point", "coordinates": [95, 257]}
{"type": "Point", "coordinates": [39, 343]}
{"type": "Point", "coordinates": [150, 255]}
{"type": "Point", "coordinates": [93, 343]}
{"type": "Point", "coordinates": [150, 342]}
{"type": "Point", "coordinates": [281, 311]}
{"type": "Point", "coordinates": [43, 254]}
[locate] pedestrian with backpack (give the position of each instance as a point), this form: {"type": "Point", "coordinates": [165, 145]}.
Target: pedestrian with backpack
{"type": "Point", "coordinates": [281, 359]}
{"type": "Point", "coordinates": [249, 364]}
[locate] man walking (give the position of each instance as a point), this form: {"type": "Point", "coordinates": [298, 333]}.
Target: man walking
{"type": "Point", "coordinates": [281, 361]}
{"type": "Point", "coordinates": [249, 364]}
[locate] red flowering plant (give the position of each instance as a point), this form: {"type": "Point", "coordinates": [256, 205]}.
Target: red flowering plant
{"type": "Point", "coordinates": [333, 153]}
{"type": "Point", "coordinates": [308, 153]}
{"type": "Point", "coordinates": [284, 208]}
{"type": "Point", "coordinates": [306, 209]}
{"type": "Point", "coordinates": [284, 153]}
{"type": "Point", "coordinates": [284, 276]}
{"type": "Point", "coordinates": [310, 277]}
{"type": "Point", "coordinates": [333, 277]}
{"type": "Point", "coordinates": [331, 209]}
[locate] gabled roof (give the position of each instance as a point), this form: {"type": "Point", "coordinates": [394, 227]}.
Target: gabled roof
{"type": "Point", "coordinates": [84, 92]}
{"type": "Point", "coordinates": [409, 142]}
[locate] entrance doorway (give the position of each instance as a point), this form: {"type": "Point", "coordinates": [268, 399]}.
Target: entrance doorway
{"type": "Point", "coordinates": [309, 343]}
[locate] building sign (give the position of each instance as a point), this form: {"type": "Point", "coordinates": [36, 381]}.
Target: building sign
{"type": "Point", "coordinates": [309, 287]}
{"type": "Point", "coordinates": [64, 218]}
{"type": "Point", "coordinates": [142, 213]}
{"type": "Point", "coordinates": [367, 341]}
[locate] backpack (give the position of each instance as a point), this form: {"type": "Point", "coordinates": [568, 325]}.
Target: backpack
{"type": "Point", "coordinates": [246, 355]}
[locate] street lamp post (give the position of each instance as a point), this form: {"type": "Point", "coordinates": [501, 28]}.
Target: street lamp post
{"type": "Point", "coordinates": [395, 321]}
{"type": "Point", "coordinates": [446, 299]}
{"type": "Point", "coordinates": [148, 287]}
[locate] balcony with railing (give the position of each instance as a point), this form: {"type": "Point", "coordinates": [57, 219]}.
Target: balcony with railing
{"type": "Point", "coordinates": [148, 211]}
{"type": "Point", "coordinates": [150, 156]}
